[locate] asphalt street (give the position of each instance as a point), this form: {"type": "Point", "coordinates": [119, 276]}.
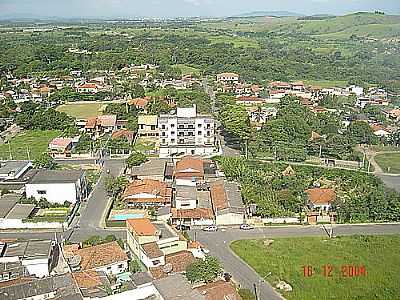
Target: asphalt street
{"type": "Point", "coordinates": [218, 244]}
{"type": "Point", "coordinates": [391, 181]}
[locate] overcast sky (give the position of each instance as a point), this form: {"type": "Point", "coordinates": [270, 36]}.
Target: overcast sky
{"type": "Point", "coordinates": [174, 8]}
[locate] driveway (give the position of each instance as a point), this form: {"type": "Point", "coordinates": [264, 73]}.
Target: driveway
{"type": "Point", "coordinates": [218, 244]}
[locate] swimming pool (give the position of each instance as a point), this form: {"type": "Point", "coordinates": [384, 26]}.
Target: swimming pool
{"type": "Point", "coordinates": [127, 216]}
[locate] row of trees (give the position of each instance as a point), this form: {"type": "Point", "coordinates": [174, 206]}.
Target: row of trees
{"type": "Point", "coordinates": [360, 197]}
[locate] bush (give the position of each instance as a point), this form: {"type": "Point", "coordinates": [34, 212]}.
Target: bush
{"type": "Point", "coordinates": [246, 294]}
{"type": "Point", "coordinates": [136, 159]}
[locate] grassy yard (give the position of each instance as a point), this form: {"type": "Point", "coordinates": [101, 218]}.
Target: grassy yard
{"type": "Point", "coordinates": [389, 162]}
{"type": "Point", "coordinates": [285, 259]}
{"type": "Point", "coordinates": [82, 110]}
{"type": "Point", "coordinates": [36, 141]}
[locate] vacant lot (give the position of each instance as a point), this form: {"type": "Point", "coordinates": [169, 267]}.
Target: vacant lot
{"type": "Point", "coordinates": [285, 260]}
{"type": "Point", "coordinates": [389, 162]}
{"type": "Point", "coordinates": [34, 141]}
{"type": "Point", "coordinates": [82, 110]}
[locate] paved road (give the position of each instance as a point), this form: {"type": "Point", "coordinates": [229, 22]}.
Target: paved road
{"type": "Point", "coordinates": [218, 244]}
{"type": "Point", "coordinates": [93, 210]}
{"type": "Point", "coordinates": [391, 181]}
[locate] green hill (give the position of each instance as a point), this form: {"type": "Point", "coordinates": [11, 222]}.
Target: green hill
{"type": "Point", "coordinates": [360, 24]}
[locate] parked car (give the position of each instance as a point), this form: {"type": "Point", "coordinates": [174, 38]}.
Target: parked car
{"type": "Point", "coordinates": [182, 227]}
{"type": "Point", "coordinates": [210, 228]}
{"type": "Point", "coordinates": [246, 227]}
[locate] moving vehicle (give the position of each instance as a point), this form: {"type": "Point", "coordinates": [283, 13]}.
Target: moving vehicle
{"type": "Point", "coordinates": [210, 228]}
{"type": "Point", "coordinates": [246, 227]}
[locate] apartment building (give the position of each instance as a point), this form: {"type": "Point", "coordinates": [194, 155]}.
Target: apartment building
{"type": "Point", "coordinates": [187, 133]}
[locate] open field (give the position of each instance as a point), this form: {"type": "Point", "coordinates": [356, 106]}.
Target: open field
{"type": "Point", "coordinates": [326, 83]}
{"type": "Point", "coordinates": [81, 110]}
{"type": "Point", "coordinates": [287, 258]}
{"type": "Point", "coordinates": [36, 141]}
{"type": "Point", "coordinates": [188, 70]}
{"type": "Point", "coordinates": [389, 162]}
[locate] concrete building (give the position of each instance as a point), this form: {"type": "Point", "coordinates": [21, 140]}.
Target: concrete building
{"type": "Point", "coordinates": [227, 203]}
{"type": "Point", "coordinates": [36, 256]}
{"type": "Point", "coordinates": [152, 241]}
{"type": "Point", "coordinates": [58, 186]}
{"type": "Point", "coordinates": [187, 132]}
{"type": "Point", "coordinates": [13, 169]}
{"type": "Point", "coordinates": [109, 258]}
{"type": "Point", "coordinates": [61, 287]}
{"type": "Point", "coordinates": [228, 78]}
{"type": "Point", "coordinates": [147, 126]}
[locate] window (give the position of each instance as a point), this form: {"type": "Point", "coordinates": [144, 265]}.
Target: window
{"type": "Point", "coordinates": [172, 132]}
{"type": "Point", "coordinates": [190, 134]}
{"type": "Point", "coordinates": [41, 192]}
{"type": "Point", "coordinates": [208, 126]}
{"type": "Point", "coordinates": [153, 127]}
{"type": "Point", "coordinates": [199, 126]}
{"type": "Point", "coordinates": [172, 140]}
{"type": "Point", "coordinates": [163, 126]}
{"type": "Point", "coordinates": [163, 134]}
{"type": "Point", "coordinates": [199, 132]}
{"type": "Point", "coordinates": [163, 141]}
{"type": "Point", "coordinates": [121, 266]}
{"type": "Point", "coordinates": [181, 141]}
{"type": "Point", "coordinates": [181, 127]}
{"type": "Point", "coordinates": [190, 126]}
{"type": "Point", "coordinates": [172, 125]}
{"type": "Point", "coordinates": [185, 204]}
{"type": "Point", "coordinates": [208, 133]}
{"type": "Point", "coordinates": [108, 268]}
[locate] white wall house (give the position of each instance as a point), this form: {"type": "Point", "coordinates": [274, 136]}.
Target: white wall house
{"type": "Point", "coordinates": [58, 186]}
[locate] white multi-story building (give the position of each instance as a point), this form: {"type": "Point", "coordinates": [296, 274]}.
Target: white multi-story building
{"type": "Point", "coordinates": [187, 133]}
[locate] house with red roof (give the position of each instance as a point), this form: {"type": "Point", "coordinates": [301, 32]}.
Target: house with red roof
{"type": "Point", "coordinates": [320, 199]}
{"type": "Point", "coordinates": [60, 146]}
{"type": "Point", "coordinates": [151, 242]}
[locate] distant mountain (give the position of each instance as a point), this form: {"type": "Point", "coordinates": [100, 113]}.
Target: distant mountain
{"type": "Point", "coordinates": [268, 14]}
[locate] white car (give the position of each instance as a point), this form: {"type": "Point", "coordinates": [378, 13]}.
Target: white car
{"type": "Point", "coordinates": [210, 228]}
{"type": "Point", "coordinates": [246, 227]}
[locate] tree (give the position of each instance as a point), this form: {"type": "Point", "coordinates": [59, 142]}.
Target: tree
{"type": "Point", "coordinates": [204, 271]}
{"type": "Point", "coordinates": [114, 186]}
{"type": "Point", "coordinates": [45, 161]}
{"type": "Point", "coordinates": [134, 266]}
{"type": "Point", "coordinates": [136, 159]}
{"type": "Point", "coordinates": [236, 121]}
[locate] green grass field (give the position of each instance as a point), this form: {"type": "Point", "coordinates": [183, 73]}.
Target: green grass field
{"type": "Point", "coordinates": [188, 70]}
{"type": "Point", "coordinates": [326, 83]}
{"type": "Point", "coordinates": [81, 110]}
{"type": "Point", "coordinates": [36, 141]}
{"type": "Point", "coordinates": [389, 162]}
{"type": "Point", "coordinates": [285, 258]}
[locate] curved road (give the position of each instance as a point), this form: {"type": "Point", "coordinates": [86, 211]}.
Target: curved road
{"type": "Point", "coordinates": [218, 244]}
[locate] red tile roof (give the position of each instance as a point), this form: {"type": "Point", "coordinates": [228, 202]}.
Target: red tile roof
{"type": "Point", "coordinates": [139, 102]}
{"type": "Point", "coordinates": [161, 192]}
{"type": "Point", "coordinates": [152, 250]}
{"type": "Point", "coordinates": [189, 167]}
{"type": "Point", "coordinates": [177, 261]}
{"type": "Point", "coordinates": [60, 142]}
{"type": "Point", "coordinates": [87, 279]}
{"type": "Point", "coordinates": [142, 227]}
{"type": "Point", "coordinates": [321, 196]}
{"type": "Point", "coordinates": [195, 213]}
{"type": "Point", "coordinates": [219, 290]}
{"type": "Point", "coordinates": [101, 255]}
{"type": "Point", "coordinates": [123, 133]}
{"type": "Point", "coordinates": [218, 195]}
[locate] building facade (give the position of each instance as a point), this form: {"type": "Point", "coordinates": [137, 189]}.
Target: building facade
{"type": "Point", "coordinates": [187, 133]}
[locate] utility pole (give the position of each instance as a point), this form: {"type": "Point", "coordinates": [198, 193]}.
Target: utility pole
{"type": "Point", "coordinates": [255, 290]}
{"type": "Point", "coordinates": [27, 151]}
{"type": "Point", "coordinates": [320, 151]}
{"type": "Point", "coordinates": [9, 149]}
